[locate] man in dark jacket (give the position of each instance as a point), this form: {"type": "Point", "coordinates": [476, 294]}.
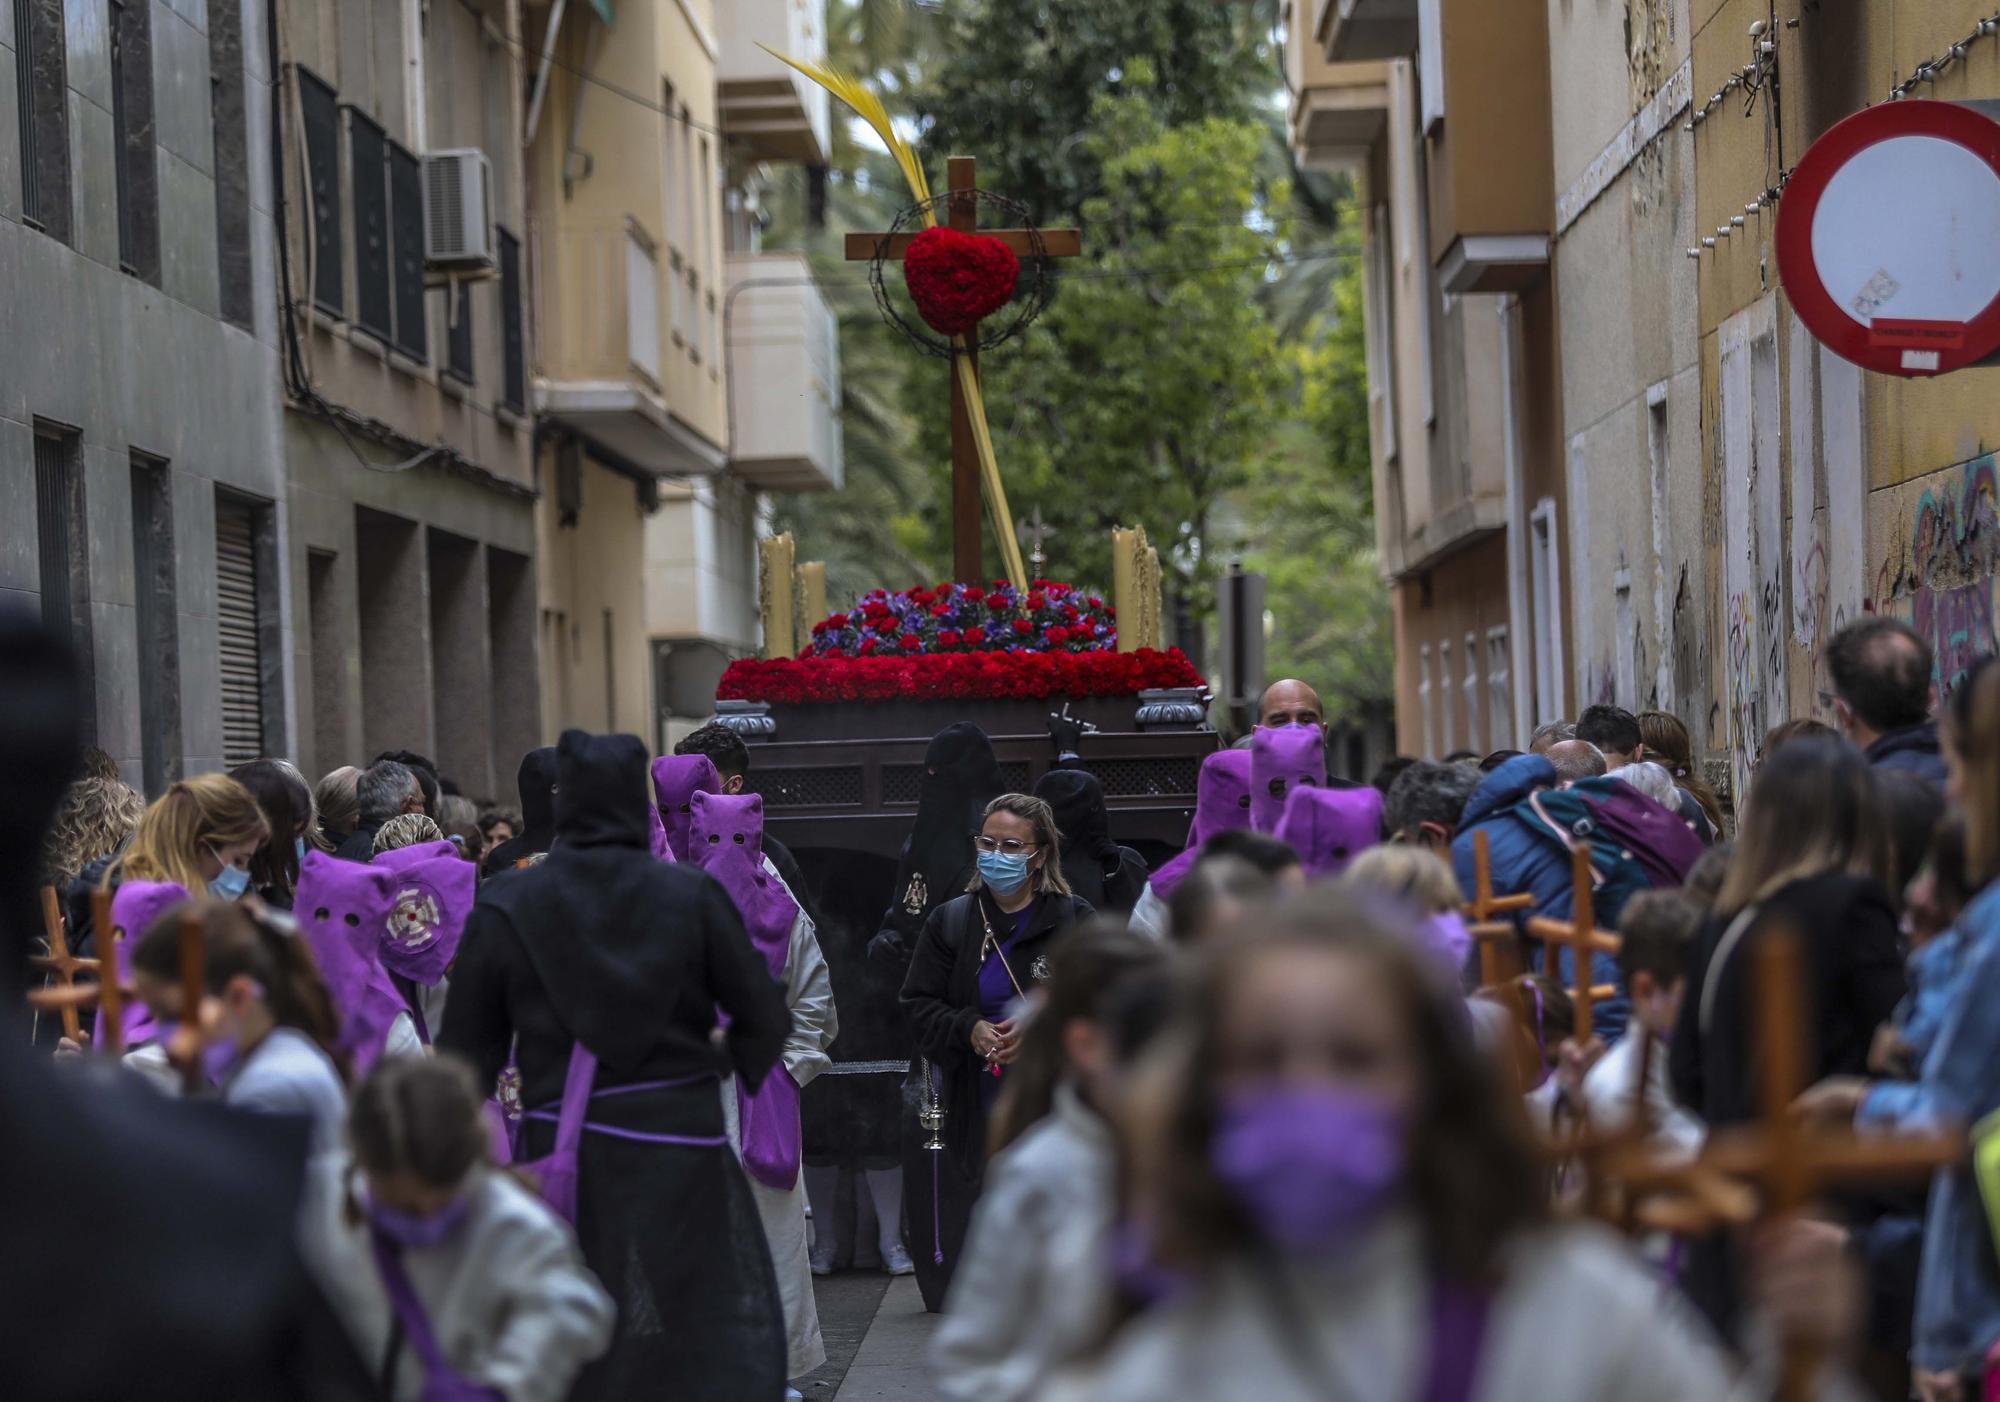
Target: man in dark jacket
{"type": "Point", "coordinates": [385, 789]}
{"type": "Point", "coordinates": [1882, 671]}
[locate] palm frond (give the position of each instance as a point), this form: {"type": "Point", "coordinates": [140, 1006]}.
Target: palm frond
{"type": "Point", "coordinates": [868, 106]}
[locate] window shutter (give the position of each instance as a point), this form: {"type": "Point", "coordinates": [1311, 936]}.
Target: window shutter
{"type": "Point", "coordinates": [322, 123]}
{"type": "Point", "coordinates": [367, 156]}
{"type": "Point", "coordinates": [514, 392]}
{"type": "Point", "coordinates": [236, 624]}
{"type": "Point", "coordinates": [406, 217]}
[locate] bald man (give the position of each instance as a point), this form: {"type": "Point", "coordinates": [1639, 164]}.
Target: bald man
{"type": "Point", "coordinates": [1291, 702]}
{"type": "Point", "coordinates": [1576, 759]}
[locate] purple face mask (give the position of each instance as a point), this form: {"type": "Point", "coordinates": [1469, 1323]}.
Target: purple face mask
{"type": "Point", "coordinates": [1221, 804]}
{"type": "Point", "coordinates": [419, 1231]}
{"type": "Point", "coordinates": [1329, 828]}
{"type": "Point", "coordinates": [1283, 758]}
{"type": "Point", "coordinates": [434, 892]}
{"type": "Point", "coordinates": [1312, 1167]}
{"type": "Point", "coordinates": [676, 780]}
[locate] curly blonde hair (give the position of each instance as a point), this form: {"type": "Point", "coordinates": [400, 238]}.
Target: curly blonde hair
{"type": "Point", "coordinates": [96, 817]}
{"type": "Point", "coordinates": [406, 830]}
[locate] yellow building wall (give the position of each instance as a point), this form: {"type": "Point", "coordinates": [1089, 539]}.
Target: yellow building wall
{"type": "Point", "coordinates": [596, 660]}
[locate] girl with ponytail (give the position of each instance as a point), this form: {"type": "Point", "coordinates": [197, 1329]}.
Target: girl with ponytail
{"type": "Point", "coordinates": [268, 1031]}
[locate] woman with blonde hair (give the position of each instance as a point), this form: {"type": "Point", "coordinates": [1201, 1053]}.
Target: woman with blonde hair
{"type": "Point", "coordinates": [978, 959]}
{"type": "Point", "coordinates": [1421, 878]}
{"type": "Point", "coordinates": [201, 834]}
{"type": "Point", "coordinates": [96, 817]}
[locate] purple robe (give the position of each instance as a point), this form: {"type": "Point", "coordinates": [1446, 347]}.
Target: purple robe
{"type": "Point", "coordinates": [726, 840]}
{"type": "Point", "coordinates": [1283, 758]}
{"type": "Point", "coordinates": [434, 891]}
{"type": "Point", "coordinates": [1329, 828]}
{"type": "Point", "coordinates": [1221, 804]}
{"type": "Point", "coordinates": [135, 905]}
{"type": "Point", "coordinates": [676, 780]}
{"type": "Point", "coordinates": [342, 909]}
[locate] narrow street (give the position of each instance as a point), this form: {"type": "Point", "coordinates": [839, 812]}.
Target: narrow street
{"type": "Point", "coordinates": [876, 1333]}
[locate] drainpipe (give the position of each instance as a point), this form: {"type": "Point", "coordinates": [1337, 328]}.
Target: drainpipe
{"type": "Point", "coordinates": [1520, 612]}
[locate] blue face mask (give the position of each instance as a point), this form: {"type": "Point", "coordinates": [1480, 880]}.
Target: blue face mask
{"type": "Point", "coordinates": [1005, 872]}
{"type": "Point", "coordinates": [231, 885]}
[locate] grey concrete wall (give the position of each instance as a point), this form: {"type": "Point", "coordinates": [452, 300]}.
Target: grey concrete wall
{"type": "Point", "coordinates": [133, 367]}
{"type": "Point", "coordinates": [461, 669]}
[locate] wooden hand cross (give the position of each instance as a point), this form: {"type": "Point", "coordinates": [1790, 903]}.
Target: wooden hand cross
{"type": "Point", "coordinates": [1581, 935]}
{"type": "Point", "coordinates": [69, 996]}
{"type": "Point", "coordinates": [963, 215]}
{"type": "Point", "coordinates": [1499, 940]}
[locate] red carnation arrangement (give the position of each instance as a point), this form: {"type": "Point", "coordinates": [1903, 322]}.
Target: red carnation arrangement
{"type": "Point", "coordinates": [957, 279]}
{"type": "Point", "coordinates": [984, 676]}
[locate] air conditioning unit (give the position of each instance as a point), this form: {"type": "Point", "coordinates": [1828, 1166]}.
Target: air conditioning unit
{"type": "Point", "coordinates": [458, 210]}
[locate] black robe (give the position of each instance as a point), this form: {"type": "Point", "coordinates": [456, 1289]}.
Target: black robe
{"type": "Point", "coordinates": [941, 1002]}
{"type": "Point", "coordinates": [633, 956]}
{"type": "Point", "coordinates": [180, 1216]}
{"type": "Point", "coordinates": [537, 782]}
{"type": "Point", "coordinates": [1110, 877]}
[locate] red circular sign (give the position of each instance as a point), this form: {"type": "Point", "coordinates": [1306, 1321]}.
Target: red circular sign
{"type": "Point", "coordinates": [1889, 238]}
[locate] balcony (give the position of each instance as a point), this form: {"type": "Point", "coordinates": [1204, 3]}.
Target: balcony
{"type": "Point", "coordinates": [769, 111]}
{"type": "Point", "coordinates": [1353, 31]}
{"type": "Point", "coordinates": [1339, 110]}
{"type": "Point", "coordinates": [600, 346]}
{"type": "Point", "coordinates": [784, 376]}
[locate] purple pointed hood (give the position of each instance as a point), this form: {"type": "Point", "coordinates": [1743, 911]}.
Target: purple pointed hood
{"type": "Point", "coordinates": [1329, 828]}
{"type": "Point", "coordinates": [676, 780]}
{"type": "Point", "coordinates": [663, 850]}
{"type": "Point", "coordinates": [726, 840]}
{"type": "Point", "coordinates": [434, 891]}
{"type": "Point", "coordinates": [342, 908]}
{"type": "Point", "coordinates": [1283, 758]}
{"type": "Point", "coordinates": [1221, 804]}
{"type": "Point", "coordinates": [134, 907]}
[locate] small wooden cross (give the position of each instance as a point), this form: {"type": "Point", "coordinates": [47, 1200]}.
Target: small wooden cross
{"type": "Point", "coordinates": [963, 215]}
{"type": "Point", "coordinates": [1499, 940]}
{"type": "Point", "coordinates": [1787, 1160]}
{"type": "Point", "coordinates": [1581, 935]}
{"type": "Point", "coordinates": [71, 997]}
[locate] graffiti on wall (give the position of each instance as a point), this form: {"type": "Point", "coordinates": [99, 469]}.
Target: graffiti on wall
{"type": "Point", "coordinates": [1943, 582]}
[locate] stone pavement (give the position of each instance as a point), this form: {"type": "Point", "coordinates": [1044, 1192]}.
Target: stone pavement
{"type": "Point", "coordinates": [889, 1366]}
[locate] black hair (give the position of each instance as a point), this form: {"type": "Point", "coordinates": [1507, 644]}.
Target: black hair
{"type": "Point", "coordinates": [1656, 933]}
{"type": "Point", "coordinates": [1612, 729]}
{"type": "Point", "coordinates": [1212, 884]}
{"type": "Point", "coordinates": [1881, 667]}
{"type": "Point", "coordinates": [1498, 758]}
{"type": "Point", "coordinates": [1386, 772]}
{"type": "Point", "coordinates": [723, 746]}
{"type": "Point", "coordinates": [287, 805]}
{"type": "Point", "coordinates": [427, 776]}
{"type": "Point", "coordinates": [1462, 757]}
{"type": "Point", "coordinates": [1270, 855]}
{"type": "Point", "coordinates": [1911, 806]}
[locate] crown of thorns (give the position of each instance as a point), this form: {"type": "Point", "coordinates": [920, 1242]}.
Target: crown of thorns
{"type": "Point", "coordinates": [1032, 294]}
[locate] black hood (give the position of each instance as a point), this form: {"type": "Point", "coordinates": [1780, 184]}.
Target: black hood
{"type": "Point", "coordinates": [601, 791]}
{"type": "Point", "coordinates": [961, 757]}
{"type": "Point", "coordinates": [1078, 801]}
{"type": "Point", "coordinates": [40, 750]}
{"type": "Point", "coordinates": [537, 781]}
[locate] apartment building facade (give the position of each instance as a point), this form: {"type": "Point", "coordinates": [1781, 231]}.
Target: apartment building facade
{"type": "Point", "coordinates": [408, 438]}
{"type": "Point", "coordinates": [1424, 106]}
{"type": "Point", "coordinates": [1695, 495]}
{"type": "Point", "coordinates": [141, 448]}
{"type": "Point", "coordinates": [680, 372]}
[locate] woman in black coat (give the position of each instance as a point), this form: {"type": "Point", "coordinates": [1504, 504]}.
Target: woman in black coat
{"type": "Point", "coordinates": [1810, 855]}
{"type": "Point", "coordinates": [979, 955]}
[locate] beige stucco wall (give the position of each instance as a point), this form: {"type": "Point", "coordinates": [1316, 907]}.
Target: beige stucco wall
{"type": "Point", "coordinates": [590, 591]}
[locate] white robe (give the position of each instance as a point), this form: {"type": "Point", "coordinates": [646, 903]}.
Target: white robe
{"type": "Point", "coordinates": [287, 1074]}
{"type": "Point", "coordinates": [1579, 1319]}
{"type": "Point", "coordinates": [508, 1296]}
{"type": "Point", "coordinates": [1033, 1287]}
{"type": "Point", "coordinates": [1150, 917]}
{"type": "Point", "coordinates": [809, 995]}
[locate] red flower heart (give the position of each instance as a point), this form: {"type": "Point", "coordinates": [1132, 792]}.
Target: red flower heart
{"type": "Point", "coordinates": [957, 278]}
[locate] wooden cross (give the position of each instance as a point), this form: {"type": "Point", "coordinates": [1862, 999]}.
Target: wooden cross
{"type": "Point", "coordinates": [70, 997]}
{"type": "Point", "coordinates": [1581, 935]}
{"type": "Point", "coordinates": [1787, 1160]}
{"type": "Point", "coordinates": [1499, 940]}
{"type": "Point", "coordinates": [963, 215]}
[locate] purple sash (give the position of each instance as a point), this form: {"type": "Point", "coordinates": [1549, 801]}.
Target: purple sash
{"type": "Point", "coordinates": [442, 1382]}
{"type": "Point", "coordinates": [557, 1173]}
{"type": "Point", "coordinates": [769, 1121]}
{"type": "Point", "coordinates": [1458, 1334]}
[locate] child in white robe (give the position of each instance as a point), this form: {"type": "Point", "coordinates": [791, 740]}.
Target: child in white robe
{"type": "Point", "coordinates": [456, 1283]}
